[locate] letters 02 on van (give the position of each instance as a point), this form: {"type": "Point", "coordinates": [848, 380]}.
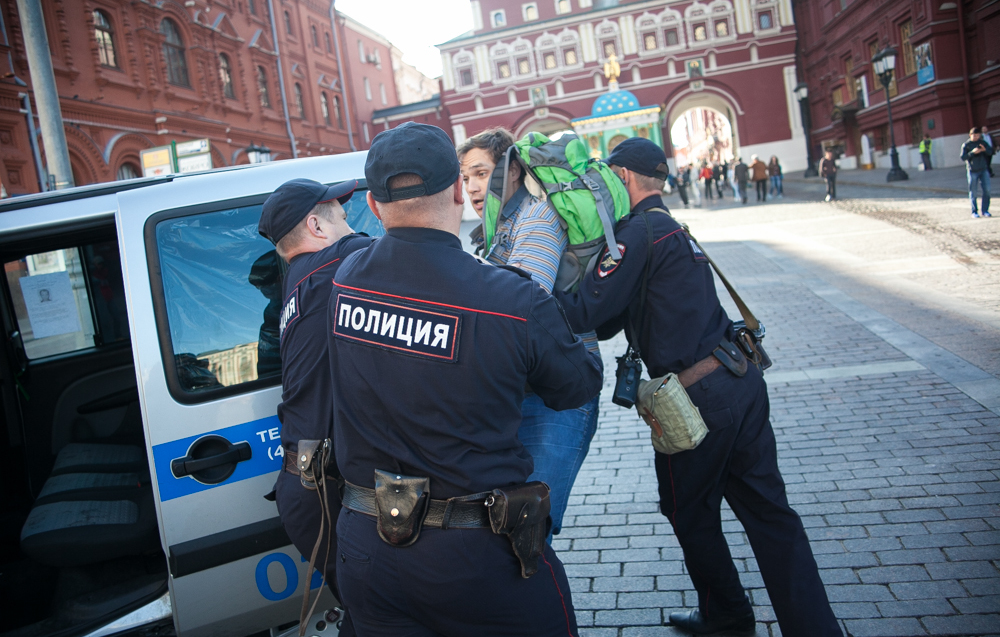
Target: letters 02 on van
{"type": "Point", "coordinates": [405, 328]}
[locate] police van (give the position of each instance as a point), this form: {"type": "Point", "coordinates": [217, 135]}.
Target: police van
{"type": "Point", "coordinates": [139, 380]}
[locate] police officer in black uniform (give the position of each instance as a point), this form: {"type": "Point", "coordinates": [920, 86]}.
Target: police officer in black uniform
{"type": "Point", "coordinates": [308, 225]}
{"type": "Point", "coordinates": [433, 350]}
{"type": "Point", "coordinates": [678, 331]}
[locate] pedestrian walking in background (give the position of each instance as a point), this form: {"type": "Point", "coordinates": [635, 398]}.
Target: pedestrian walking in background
{"type": "Point", "coordinates": [683, 181]}
{"type": "Point", "coordinates": [925, 151]}
{"type": "Point", "coordinates": [828, 170]}
{"type": "Point", "coordinates": [719, 176]}
{"type": "Point", "coordinates": [976, 154]}
{"type": "Point", "coordinates": [742, 174]}
{"type": "Point", "coordinates": [758, 172]}
{"type": "Point", "coordinates": [706, 177]}
{"type": "Point", "coordinates": [774, 172]}
{"type": "Point", "coordinates": [731, 176]}
{"type": "Point", "coordinates": [989, 142]}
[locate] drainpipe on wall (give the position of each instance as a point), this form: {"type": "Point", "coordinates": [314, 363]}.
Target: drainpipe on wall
{"type": "Point", "coordinates": [281, 80]}
{"type": "Point", "coordinates": [340, 71]}
{"type": "Point", "coordinates": [26, 101]}
{"type": "Point", "coordinates": [965, 62]}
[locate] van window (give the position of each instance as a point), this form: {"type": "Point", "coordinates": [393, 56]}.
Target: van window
{"type": "Point", "coordinates": [70, 299]}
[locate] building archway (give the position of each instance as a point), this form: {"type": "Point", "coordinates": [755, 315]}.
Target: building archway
{"type": "Point", "coordinates": [701, 134]}
{"type": "Point", "coordinates": [711, 99]}
{"type": "Point", "coordinates": [546, 125]}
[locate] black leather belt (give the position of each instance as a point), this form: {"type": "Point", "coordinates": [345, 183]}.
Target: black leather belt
{"type": "Point", "coordinates": [465, 512]}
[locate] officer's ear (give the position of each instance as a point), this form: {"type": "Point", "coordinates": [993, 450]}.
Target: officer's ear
{"type": "Point", "coordinates": [459, 191]}
{"type": "Point", "coordinates": [373, 205]}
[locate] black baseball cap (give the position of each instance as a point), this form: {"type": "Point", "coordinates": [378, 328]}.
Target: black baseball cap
{"type": "Point", "coordinates": [642, 156]}
{"type": "Point", "coordinates": [421, 149]}
{"type": "Point", "coordinates": [292, 201]}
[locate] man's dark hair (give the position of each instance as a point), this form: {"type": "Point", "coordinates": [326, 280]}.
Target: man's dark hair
{"type": "Point", "coordinates": [494, 141]}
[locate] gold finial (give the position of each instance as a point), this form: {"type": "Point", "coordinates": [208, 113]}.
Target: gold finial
{"type": "Point", "coordinates": [611, 68]}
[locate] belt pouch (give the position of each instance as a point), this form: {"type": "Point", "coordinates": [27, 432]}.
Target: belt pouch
{"type": "Point", "coordinates": [753, 347]}
{"type": "Point", "coordinates": [730, 355]}
{"type": "Point", "coordinates": [311, 455]}
{"type": "Point", "coordinates": [401, 503]}
{"type": "Point", "coordinates": [675, 423]}
{"type": "Point", "coordinates": [521, 512]}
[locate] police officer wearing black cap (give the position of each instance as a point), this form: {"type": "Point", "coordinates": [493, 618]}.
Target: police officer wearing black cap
{"type": "Point", "coordinates": [308, 225]}
{"type": "Point", "coordinates": [679, 330]}
{"type": "Point", "coordinates": [439, 534]}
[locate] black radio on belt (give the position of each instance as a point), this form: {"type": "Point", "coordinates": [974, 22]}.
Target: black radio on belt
{"type": "Point", "coordinates": [628, 377]}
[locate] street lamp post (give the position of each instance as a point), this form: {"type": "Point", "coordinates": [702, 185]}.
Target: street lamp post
{"type": "Point", "coordinates": [884, 64]}
{"type": "Point", "coordinates": [802, 95]}
{"type": "Point", "coordinates": [258, 154]}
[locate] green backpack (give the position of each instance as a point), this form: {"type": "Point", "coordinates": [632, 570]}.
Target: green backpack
{"type": "Point", "coordinates": [588, 196]}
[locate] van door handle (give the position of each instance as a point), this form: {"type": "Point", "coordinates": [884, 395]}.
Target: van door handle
{"type": "Point", "coordinates": [211, 459]}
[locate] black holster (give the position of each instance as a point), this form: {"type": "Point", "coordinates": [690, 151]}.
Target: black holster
{"type": "Point", "coordinates": [312, 457]}
{"type": "Point", "coordinates": [400, 506]}
{"type": "Point", "coordinates": [521, 512]}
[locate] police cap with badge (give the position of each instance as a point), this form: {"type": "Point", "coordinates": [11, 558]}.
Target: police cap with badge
{"type": "Point", "coordinates": [292, 202]}
{"type": "Point", "coordinates": [641, 156]}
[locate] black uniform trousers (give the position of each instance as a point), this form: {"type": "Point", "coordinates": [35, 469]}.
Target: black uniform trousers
{"type": "Point", "coordinates": [453, 583]}
{"type": "Point", "coordinates": [738, 460]}
{"type": "Point", "coordinates": [300, 515]}
{"type": "Point", "coordinates": [761, 189]}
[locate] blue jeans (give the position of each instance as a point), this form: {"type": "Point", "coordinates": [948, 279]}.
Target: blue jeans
{"type": "Point", "coordinates": [981, 177]}
{"type": "Point", "coordinates": [776, 186]}
{"type": "Point", "coordinates": [558, 441]}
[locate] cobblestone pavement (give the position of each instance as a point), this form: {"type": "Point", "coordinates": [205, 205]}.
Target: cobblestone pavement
{"type": "Point", "coordinates": [888, 439]}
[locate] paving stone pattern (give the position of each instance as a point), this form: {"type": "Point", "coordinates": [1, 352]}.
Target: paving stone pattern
{"type": "Point", "coordinates": [895, 476]}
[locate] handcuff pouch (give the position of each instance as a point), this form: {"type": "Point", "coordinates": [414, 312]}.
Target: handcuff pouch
{"type": "Point", "coordinates": [521, 512]}
{"type": "Point", "coordinates": [310, 456]}
{"type": "Point", "coordinates": [401, 504]}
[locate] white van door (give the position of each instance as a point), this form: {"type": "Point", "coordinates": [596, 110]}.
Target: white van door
{"type": "Point", "coordinates": [204, 294]}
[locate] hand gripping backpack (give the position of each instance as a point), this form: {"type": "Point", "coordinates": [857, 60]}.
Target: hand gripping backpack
{"type": "Point", "coordinates": [587, 195]}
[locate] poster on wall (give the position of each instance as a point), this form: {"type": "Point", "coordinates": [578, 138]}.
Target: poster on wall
{"type": "Point", "coordinates": [925, 67]}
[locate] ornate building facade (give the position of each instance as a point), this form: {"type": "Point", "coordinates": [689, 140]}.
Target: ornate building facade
{"type": "Point", "coordinates": [538, 65]}
{"type": "Point", "coordinates": [946, 80]}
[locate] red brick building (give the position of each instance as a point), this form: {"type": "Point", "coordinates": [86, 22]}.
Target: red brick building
{"type": "Point", "coordinates": [134, 75]}
{"type": "Point", "coordinates": [947, 75]}
{"type": "Point", "coordinates": [536, 65]}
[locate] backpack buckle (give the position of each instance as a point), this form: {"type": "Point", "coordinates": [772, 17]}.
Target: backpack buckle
{"type": "Point", "coordinates": [590, 183]}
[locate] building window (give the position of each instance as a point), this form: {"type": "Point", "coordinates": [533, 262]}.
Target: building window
{"type": "Point", "coordinates": [324, 108]}
{"type": "Point", "coordinates": [523, 66]}
{"type": "Point", "coordinates": [563, 6]}
{"type": "Point", "coordinates": [700, 33]}
{"type": "Point", "coordinates": [381, 94]}
{"type": "Point", "coordinates": [503, 70]}
{"type": "Point", "coordinates": [173, 51]}
{"type": "Point", "coordinates": [498, 19]}
{"type": "Point", "coordinates": [265, 96]}
{"type": "Point", "coordinates": [288, 23]}
{"type": "Point", "coordinates": [465, 77]}
{"type": "Point", "coordinates": [128, 171]}
{"type": "Point", "coordinates": [905, 31]}
{"type": "Point", "coordinates": [722, 28]}
{"type": "Point", "coordinates": [105, 43]}
{"type": "Point", "coordinates": [569, 57]}
{"type": "Point", "coordinates": [300, 104]}
{"type": "Point", "coordinates": [852, 93]}
{"type": "Point", "coordinates": [609, 48]}
{"type": "Point", "coordinates": [671, 37]}
{"type": "Point", "coordinates": [336, 112]}
{"type": "Point", "coordinates": [549, 60]}
{"type": "Point", "coordinates": [368, 89]}
{"type": "Point", "coordinates": [529, 12]}
{"type": "Point", "coordinates": [368, 136]}
{"type": "Point", "coordinates": [315, 36]}
{"type": "Point", "coordinates": [649, 41]}
{"type": "Point", "coordinates": [329, 47]}
{"type": "Point", "coordinates": [916, 131]}
{"type": "Point", "coordinates": [764, 20]}
{"type": "Point", "coordinates": [252, 5]}
{"type": "Point", "coordinates": [226, 76]}
{"type": "Point", "coordinates": [378, 58]}
{"type": "Point", "coordinates": [361, 51]}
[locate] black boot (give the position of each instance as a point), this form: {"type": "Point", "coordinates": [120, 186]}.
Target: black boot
{"type": "Point", "coordinates": [693, 622]}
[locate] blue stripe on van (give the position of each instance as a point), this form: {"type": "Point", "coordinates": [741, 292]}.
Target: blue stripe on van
{"type": "Point", "coordinates": [263, 436]}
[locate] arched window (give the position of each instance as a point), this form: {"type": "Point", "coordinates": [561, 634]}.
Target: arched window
{"type": "Point", "coordinates": [265, 96]}
{"type": "Point", "coordinates": [288, 23]}
{"type": "Point", "coordinates": [315, 36]}
{"type": "Point", "coordinates": [226, 76]}
{"type": "Point", "coordinates": [324, 108]}
{"type": "Point", "coordinates": [524, 62]}
{"type": "Point", "coordinates": [336, 112]}
{"type": "Point", "coordinates": [609, 39]}
{"type": "Point", "coordinates": [173, 52]}
{"type": "Point", "coordinates": [105, 41]}
{"type": "Point", "coordinates": [127, 171]}
{"type": "Point", "coordinates": [569, 48]}
{"type": "Point", "coordinates": [503, 69]}
{"type": "Point", "coordinates": [326, 38]}
{"type": "Point", "coordinates": [465, 74]}
{"type": "Point", "coordinates": [548, 54]}
{"type": "Point", "coordinates": [299, 102]}
{"type": "Point", "coordinates": [672, 29]}
{"type": "Point", "coordinates": [647, 27]}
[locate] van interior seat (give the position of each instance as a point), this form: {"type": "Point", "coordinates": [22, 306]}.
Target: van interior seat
{"type": "Point", "coordinates": [88, 457]}
{"type": "Point", "coordinates": [99, 406]}
{"type": "Point", "coordinates": [89, 486]}
{"type": "Point", "coordinates": [79, 532]}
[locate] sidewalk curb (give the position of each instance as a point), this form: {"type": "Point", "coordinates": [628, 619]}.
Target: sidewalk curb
{"type": "Point", "coordinates": [842, 182]}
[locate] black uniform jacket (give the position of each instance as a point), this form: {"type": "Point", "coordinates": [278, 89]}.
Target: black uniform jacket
{"type": "Point", "coordinates": [305, 411]}
{"type": "Point", "coordinates": [433, 350]}
{"type": "Point", "coordinates": [683, 320]}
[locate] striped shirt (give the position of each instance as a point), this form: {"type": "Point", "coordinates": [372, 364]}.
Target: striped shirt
{"type": "Point", "coordinates": [530, 237]}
